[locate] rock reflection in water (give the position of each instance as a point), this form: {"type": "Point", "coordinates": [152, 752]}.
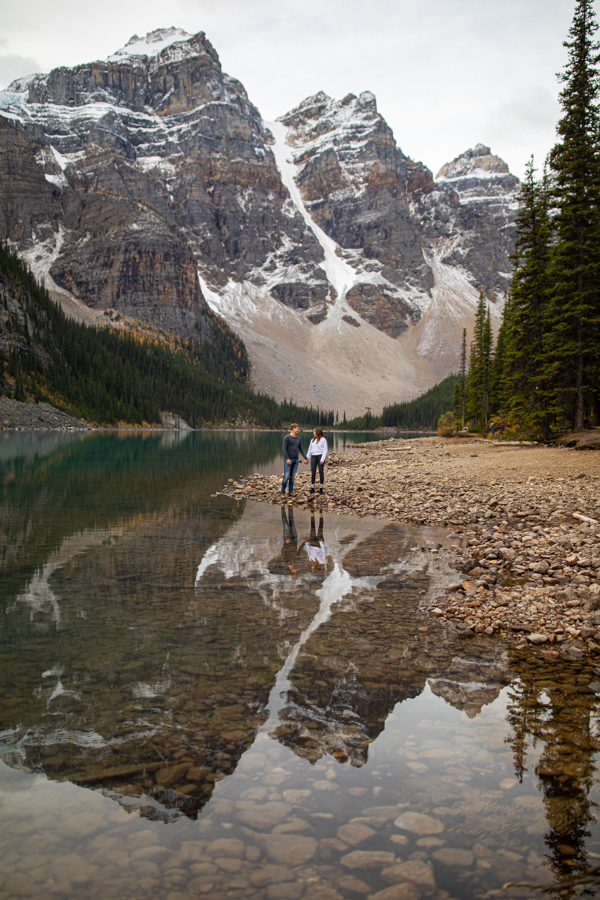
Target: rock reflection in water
{"type": "Point", "coordinates": [374, 652]}
{"type": "Point", "coordinates": [171, 678]}
{"type": "Point", "coordinates": [305, 730]}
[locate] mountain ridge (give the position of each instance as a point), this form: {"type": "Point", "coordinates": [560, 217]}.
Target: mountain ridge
{"type": "Point", "coordinates": [150, 184]}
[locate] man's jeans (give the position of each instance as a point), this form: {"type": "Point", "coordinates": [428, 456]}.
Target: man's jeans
{"type": "Point", "coordinates": [289, 471]}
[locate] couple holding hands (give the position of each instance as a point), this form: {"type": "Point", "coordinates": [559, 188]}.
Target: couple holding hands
{"type": "Point", "coordinates": [317, 454]}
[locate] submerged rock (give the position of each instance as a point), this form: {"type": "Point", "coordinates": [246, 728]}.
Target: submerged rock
{"type": "Point", "coordinates": [419, 823]}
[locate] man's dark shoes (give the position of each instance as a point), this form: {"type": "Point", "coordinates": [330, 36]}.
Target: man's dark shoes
{"type": "Point", "coordinates": [320, 490]}
{"type": "Point", "coordinates": [312, 490]}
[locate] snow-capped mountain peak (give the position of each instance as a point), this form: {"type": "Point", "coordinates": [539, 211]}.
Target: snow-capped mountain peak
{"type": "Point", "coordinates": [346, 269]}
{"type": "Point", "coordinates": [478, 162]}
{"type": "Point", "coordinates": [150, 45]}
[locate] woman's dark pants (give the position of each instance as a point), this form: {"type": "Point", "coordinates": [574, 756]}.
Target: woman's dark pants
{"type": "Point", "coordinates": [314, 462]}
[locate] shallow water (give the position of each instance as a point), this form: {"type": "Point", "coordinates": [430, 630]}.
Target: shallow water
{"type": "Point", "coordinates": [192, 705]}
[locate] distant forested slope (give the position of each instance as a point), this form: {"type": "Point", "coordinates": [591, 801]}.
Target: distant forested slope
{"type": "Point", "coordinates": [421, 413]}
{"type": "Point", "coordinates": [424, 411]}
{"type": "Point", "coordinates": [107, 376]}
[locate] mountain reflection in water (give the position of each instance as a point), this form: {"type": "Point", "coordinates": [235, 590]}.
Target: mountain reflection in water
{"type": "Point", "coordinates": [267, 670]}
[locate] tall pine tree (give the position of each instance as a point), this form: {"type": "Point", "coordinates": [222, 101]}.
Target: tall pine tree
{"type": "Point", "coordinates": [459, 395]}
{"type": "Point", "coordinates": [480, 362]}
{"type": "Point", "coordinates": [497, 374]}
{"type": "Point", "coordinates": [574, 332]}
{"type": "Point", "coordinates": [527, 383]}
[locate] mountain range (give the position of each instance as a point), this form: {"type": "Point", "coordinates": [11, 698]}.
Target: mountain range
{"type": "Point", "coordinates": [148, 187]}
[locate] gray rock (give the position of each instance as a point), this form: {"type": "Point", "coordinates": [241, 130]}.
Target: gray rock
{"type": "Point", "coordinates": [367, 859]}
{"type": "Point", "coordinates": [176, 172]}
{"type": "Point", "coordinates": [454, 856]}
{"type": "Point", "coordinates": [419, 823]}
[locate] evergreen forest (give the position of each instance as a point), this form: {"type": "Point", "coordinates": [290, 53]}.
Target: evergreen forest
{"type": "Point", "coordinates": [419, 414]}
{"type": "Point", "coordinates": [543, 375]}
{"type": "Point", "coordinates": [108, 376]}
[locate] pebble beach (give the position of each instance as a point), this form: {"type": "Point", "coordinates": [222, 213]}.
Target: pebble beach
{"type": "Point", "coordinates": [524, 518]}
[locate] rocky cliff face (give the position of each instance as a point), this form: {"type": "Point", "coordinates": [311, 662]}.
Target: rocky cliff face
{"type": "Point", "coordinates": [149, 183]}
{"type": "Point", "coordinates": [468, 218]}
{"type": "Point", "coordinates": [355, 184]}
{"type": "Point", "coordinates": [149, 165]}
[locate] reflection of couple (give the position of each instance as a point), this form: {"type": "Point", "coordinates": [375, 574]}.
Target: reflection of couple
{"type": "Point", "coordinates": [315, 546]}
{"type": "Point", "coordinates": [291, 549]}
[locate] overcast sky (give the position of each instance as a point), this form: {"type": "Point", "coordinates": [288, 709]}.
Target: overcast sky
{"type": "Point", "coordinates": [447, 74]}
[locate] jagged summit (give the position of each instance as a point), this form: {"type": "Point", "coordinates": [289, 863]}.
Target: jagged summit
{"type": "Point", "coordinates": [478, 162]}
{"type": "Point", "coordinates": [322, 107]}
{"type": "Point", "coordinates": [152, 44]}
{"type": "Point", "coordinates": [479, 176]}
{"type": "Point", "coordinates": [167, 72]}
{"type": "Point", "coordinates": [163, 45]}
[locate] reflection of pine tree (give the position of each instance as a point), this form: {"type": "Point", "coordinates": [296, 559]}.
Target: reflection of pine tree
{"type": "Point", "coordinates": [566, 767]}
{"type": "Point", "coordinates": [524, 718]}
{"type": "Point", "coordinates": [566, 772]}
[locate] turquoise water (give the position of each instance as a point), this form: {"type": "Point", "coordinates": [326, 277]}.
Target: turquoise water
{"type": "Point", "coordinates": [202, 697]}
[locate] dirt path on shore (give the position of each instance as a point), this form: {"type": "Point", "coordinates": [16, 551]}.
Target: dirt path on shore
{"type": "Point", "coordinates": [525, 519]}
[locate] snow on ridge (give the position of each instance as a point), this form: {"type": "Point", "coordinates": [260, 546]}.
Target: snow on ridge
{"type": "Point", "coordinates": [471, 173]}
{"type": "Point", "coordinates": [12, 103]}
{"type": "Point", "coordinates": [343, 126]}
{"type": "Point", "coordinates": [21, 85]}
{"type": "Point", "coordinates": [339, 274]}
{"type": "Point", "coordinates": [151, 44]}
{"type": "Point", "coordinates": [477, 162]}
{"type": "Point", "coordinates": [360, 112]}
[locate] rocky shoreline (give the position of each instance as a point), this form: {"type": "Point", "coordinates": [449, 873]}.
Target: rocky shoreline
{"type": "Point", "coordinates": [525, 519]}
{"type": "Point", "coordinates": [19, 416]}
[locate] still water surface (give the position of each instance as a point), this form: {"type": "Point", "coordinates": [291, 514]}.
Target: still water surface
{"type": "Point", "coordinates": [208, 698]}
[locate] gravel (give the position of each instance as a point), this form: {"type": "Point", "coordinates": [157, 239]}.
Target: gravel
{"type": "Point", "coordinates": [526, 520]}
{"type": "Point", "coordinates": [35, 417]}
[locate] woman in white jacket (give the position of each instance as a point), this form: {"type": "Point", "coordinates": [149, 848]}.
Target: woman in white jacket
{"type": "Point", "coordinates": [317, 454]}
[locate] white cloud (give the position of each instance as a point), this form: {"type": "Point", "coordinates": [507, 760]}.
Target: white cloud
{"type": "Point", "coordinates": [12, 65]}
{"type": "Point", "coordinates": [527, 117]}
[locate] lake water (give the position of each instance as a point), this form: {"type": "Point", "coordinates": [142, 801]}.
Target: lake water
{"type": "Point", "coordinates": [207, 698]}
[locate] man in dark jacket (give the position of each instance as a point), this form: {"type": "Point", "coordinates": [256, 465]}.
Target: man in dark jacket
{"type": "Point", "coordinates": [292, 445]}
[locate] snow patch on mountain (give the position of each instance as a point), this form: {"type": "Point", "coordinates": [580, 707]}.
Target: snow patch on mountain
{"type": "Point", "coordinates": [479, 176]}
{"type": "Point", "coordinates": [40, 256]}
{"type": "Point", "coordinates": [320, 124]}
{"type": "Point", "coordinates": [478, 162]}
{"type": "Point", "coordinates": [339, 274]}
{"type": "Point", "coordinates": [152, 44]}
{"type": "Point", "coordinates": [336, 364]}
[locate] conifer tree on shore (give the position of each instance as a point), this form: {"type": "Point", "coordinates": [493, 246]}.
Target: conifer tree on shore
{"type": "Point", "coordinates": [574, 312]}
{"type": "Point", "coordinates": [460, 388]}
{"type": "Point", "coordinates": [497, 374]}
{"type": "Point", "coordinates": [478, 381]}
{"type": "Point", "coordinates": [526, 382]}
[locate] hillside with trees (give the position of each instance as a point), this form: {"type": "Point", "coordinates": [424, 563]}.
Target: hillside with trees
{"type": "Point", "coordinates": [108, 376]}
{"type": "Point", "coordinates": [544, 373]}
